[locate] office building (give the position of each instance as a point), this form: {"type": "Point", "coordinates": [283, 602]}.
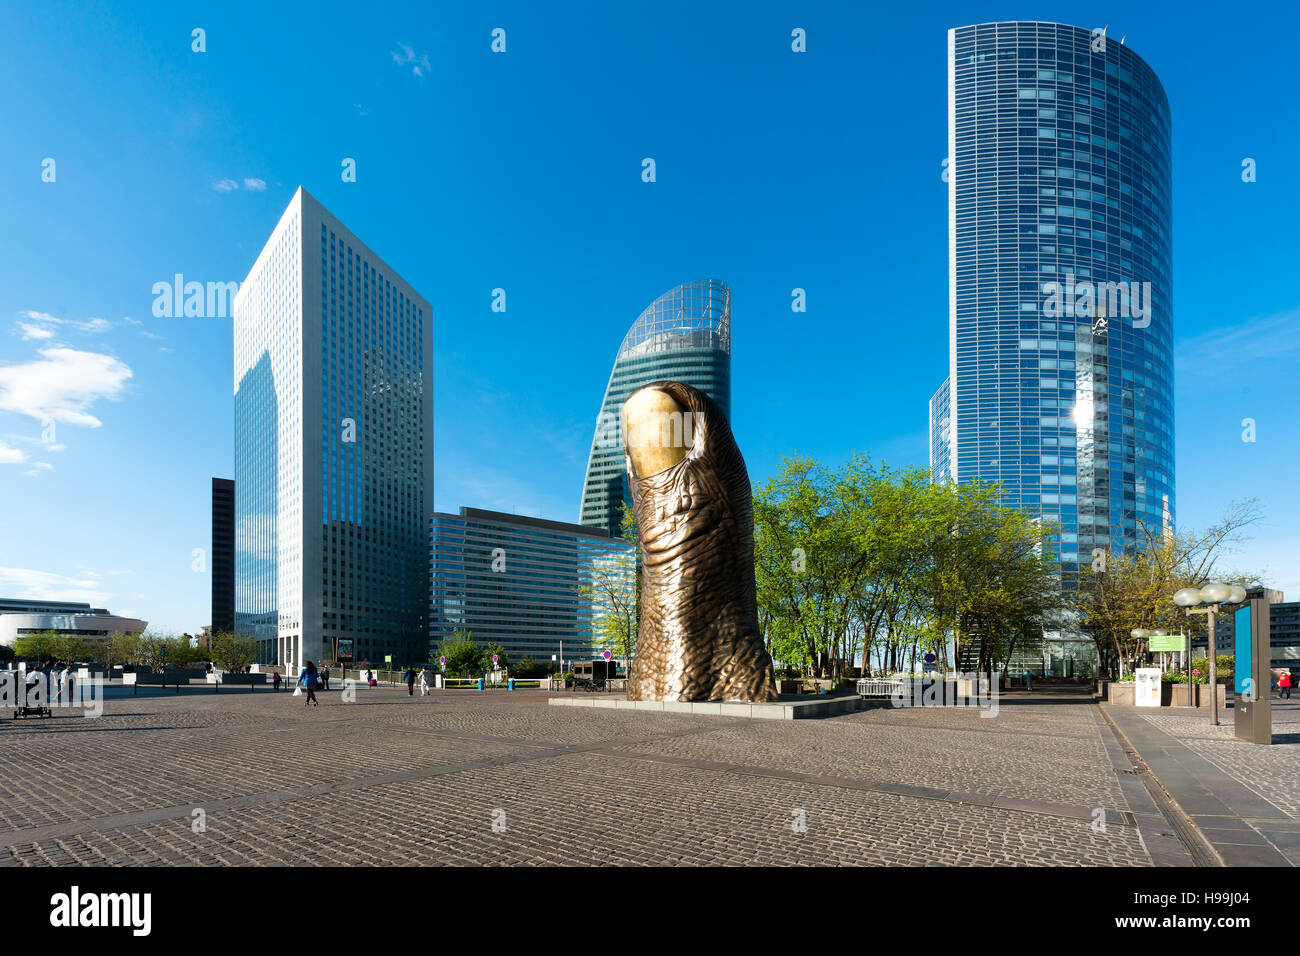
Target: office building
{"type": "Point", "coordinates": [517, 581]}
{"type": "Point", "coordinates": [685, 336]}
{"type": "Point", "coordinates": [1060, 381]}
{"type": "Point", "coordinates": [333, 447]}
{"type": "Point", "coordinates": [21, 616]}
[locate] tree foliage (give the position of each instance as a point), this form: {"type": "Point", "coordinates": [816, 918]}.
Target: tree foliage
{"type": "Point", "coordinates": [1121, 592]}
{"type": "Point", "coordinates": [879, 564]}
{"type": "Point", "coordinates": [464, 657]}
{"type": "Point", "coordinates": [614, 594]}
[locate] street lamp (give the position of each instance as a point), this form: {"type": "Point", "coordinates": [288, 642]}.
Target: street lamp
{"type": "Point", "coordinates": [1206, 600]}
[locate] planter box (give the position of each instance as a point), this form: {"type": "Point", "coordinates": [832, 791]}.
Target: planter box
{"type": "Point", "coordinates": [788, 686]}
{"type": "Point", "coordinates": [1200, 695]}
{"type": "Point", "coordinates": [1120, 693]}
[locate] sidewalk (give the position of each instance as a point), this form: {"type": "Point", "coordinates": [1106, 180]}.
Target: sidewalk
{"type": "Point", "coordinates": [1242, 798]}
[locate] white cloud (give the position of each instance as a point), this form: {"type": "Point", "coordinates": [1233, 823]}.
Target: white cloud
{"type": "Point", "coordinates": [39, 442]}
{"type": "Point", "coordinates": [31, 331]}
{"type": "Point", "coordinates": [48, 586]}
{"type": "Point", "coordinates": [42, 325]}
{"type": "Point", "coordinates": [62, 385]}
{"type": "Point", "coordinates": [1267, 337]}
{"type": "Point", "coordinates": [10, 455]}
{"type": "Point", "coordinates": [38, 467]}
{"type": "Point", "coordinates": [225, 185]}
{"type": "Point", "coordinates": [257, 185]}
{"type": "Point", "coordinates": [419, 63]}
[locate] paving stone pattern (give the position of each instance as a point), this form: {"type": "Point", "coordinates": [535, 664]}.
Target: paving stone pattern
{"type": "Point", "coordinates": [493, 778]}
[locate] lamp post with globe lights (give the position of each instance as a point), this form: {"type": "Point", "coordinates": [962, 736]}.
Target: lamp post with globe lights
{"type": "Point", "coordinates": [1206, 600]}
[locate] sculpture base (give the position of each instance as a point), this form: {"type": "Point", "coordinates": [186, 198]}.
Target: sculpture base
{"type": "Point", "coordinates": [789, 707]}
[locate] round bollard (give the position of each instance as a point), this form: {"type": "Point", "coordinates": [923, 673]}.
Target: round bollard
{"type": "Point", "coordinates": [510, 684]}
{"type": "Point", "coordinates": [480, 683]}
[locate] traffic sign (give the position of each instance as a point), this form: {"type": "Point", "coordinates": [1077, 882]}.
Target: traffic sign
{"type": "Point", "coordinates": [930, 658]}
{"type": "Point", "coordinates": [607, 655]}
{"type": "Point", "coordinates": [442, 660]}
{"type": "Point", "coordinates": [494, 658]}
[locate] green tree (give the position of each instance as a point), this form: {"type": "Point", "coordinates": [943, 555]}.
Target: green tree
{"type": "Point", "coordinates": [54, 646]}
{"type": "Point", "coordinates": [1120, 592]}
{"type": "Point", "coordinates": [503, 659]}
{"type": "Point", "coordinates": [464, 657]}
{"type": "Point", "coordinates": [613, 593]}
{"type": "Point", "coordinates": [230, 649]}
{"type": "Point", "coordinates": [864, 561]}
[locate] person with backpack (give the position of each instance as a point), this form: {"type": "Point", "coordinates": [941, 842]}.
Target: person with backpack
{"type": "Point", "coordinates": [409, 677]}
{"type": "Point", "coordinates": [307, 681]}
{"type": "Point", "coordinates": [370, 678]}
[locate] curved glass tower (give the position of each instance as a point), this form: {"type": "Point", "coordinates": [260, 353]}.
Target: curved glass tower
{"type": "Point", "coordinates": [1060, 279]}
{"type": "Point", "coordinates": [684, 335]}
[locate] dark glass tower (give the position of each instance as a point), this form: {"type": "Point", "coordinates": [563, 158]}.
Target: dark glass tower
{"type": "Point", "coordinates": [223, 555]}
{"type": "Point", "coordinates": [1060, 380]}
{"type": "Point", "coordinates": [684, 335]}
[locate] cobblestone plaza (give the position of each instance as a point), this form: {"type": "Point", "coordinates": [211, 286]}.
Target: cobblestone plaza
{"type": "Point", "coordinates": [466, 777]}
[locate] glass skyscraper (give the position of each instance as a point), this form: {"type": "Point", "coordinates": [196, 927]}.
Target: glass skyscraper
{"type": "Point", "coordinates": [333, 448]}
{"type": "Point", "coordinates": [514, 581]}
{"type": "Point", "coordinates": [1060, 382]}
{"type": "Point", "coordinates": [685, 336]}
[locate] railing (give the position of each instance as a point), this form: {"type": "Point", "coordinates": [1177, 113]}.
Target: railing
{"type": "Point", "coordinates": [875, 687]}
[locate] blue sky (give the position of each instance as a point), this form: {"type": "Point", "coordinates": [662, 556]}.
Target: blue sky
{"type": "Point", "coordinates": [522, 171]}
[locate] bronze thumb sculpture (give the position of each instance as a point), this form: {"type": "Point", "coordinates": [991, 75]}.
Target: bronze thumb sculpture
{"type": "Point", "coordinates": [698, 638]}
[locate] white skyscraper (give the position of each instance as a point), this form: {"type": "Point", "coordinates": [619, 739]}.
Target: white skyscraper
{"type": "Point", "coordinates": [333, 448]}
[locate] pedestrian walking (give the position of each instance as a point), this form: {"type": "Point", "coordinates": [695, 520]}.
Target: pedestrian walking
{"type": "Point", "coordinates": [370, 678]}
{"type": "Point", "coordinates": [307, 681]}
{"type": "Point", "coordinates": [1029, 681]}
{"type": "Point", "coordinates": [276, 680]}
{"type": "Point", "coordinates": [325, 678]}
{"type": "Point", "coordinates": [424, 682]}
{"type": "Point", "coordinates": [1284, 685]}
{"type": "Point", "coordinates": [409, 677]}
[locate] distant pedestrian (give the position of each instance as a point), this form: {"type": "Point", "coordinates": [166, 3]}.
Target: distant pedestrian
{"type": "Point", "coordinates": [409, 677]}
{"type": "Point", "coordinates": [325, 678]}
{"type": "Point", "coordinates": [370, 678]}
{"type": "Point", "coordinates": [276, 680]}
{"type": "Point", "coordinates": [424, 682]}
{"type": "Point", "coordinates": [307, 681]}
{"type": "Point", "coordinates": [1284, 685]}
{"type": "Point", "coordinates": [1029, 681]}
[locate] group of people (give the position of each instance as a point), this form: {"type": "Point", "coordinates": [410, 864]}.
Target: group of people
{"type": "Point", "coordinates": [57, 678]}
{"type": "Point", "coordinates": [425, 677]}
{"type": "Point", "coordinates": [310, 679]}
